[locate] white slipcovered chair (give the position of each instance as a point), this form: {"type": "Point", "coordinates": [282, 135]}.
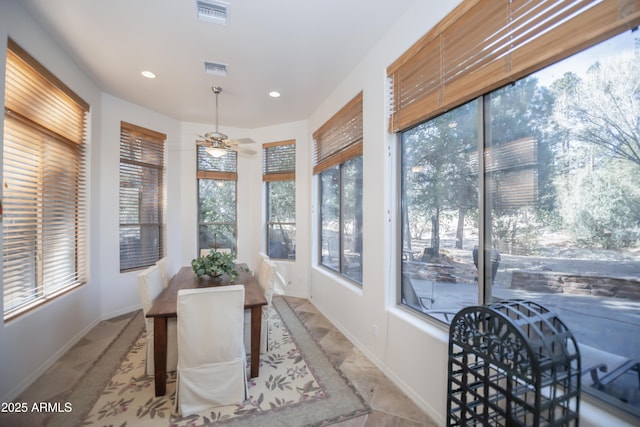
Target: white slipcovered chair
{"type": "Point", "coordinates": [211, 355]}
{"type": "Point", "coordinates": [266, 275]}
{"type": "Point", "coordinates": [261, 259]}
{"type": "Point", "coordinates": [164, 264]}
{"type": "Point", "coordinates": [150, 284]}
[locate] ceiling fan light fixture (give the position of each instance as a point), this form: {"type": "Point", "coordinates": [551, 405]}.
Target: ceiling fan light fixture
{"type": "Point", "coordinates": [216, 151]}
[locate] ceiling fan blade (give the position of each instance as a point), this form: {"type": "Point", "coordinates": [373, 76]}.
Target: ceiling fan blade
{"type": "Point", "coordinates": [203, 143]}
{"type": "Point", "coordinates": [240, 141]}
{"type": "Point", "coordinates": [244, 151]}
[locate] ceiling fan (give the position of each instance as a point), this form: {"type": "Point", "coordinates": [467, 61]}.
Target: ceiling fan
{"type": "Point", "coordinates": [217, 143]}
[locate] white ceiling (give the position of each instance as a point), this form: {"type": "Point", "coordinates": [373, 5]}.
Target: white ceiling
{"type": "Point", "coordinates": [301, 48]}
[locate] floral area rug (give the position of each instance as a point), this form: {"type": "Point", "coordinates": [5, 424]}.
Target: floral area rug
{"type": "Point", "coordinates": [297, 386]}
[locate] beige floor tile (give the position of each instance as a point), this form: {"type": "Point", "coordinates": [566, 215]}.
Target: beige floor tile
{"type": "Point", "coordinates": [382, 419]}
{"type": "Point", "coordinates": [390, 399]}
{"type": "Point", "coordinates": [336, 346]}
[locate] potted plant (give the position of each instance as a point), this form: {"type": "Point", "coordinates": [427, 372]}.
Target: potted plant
{"type": "Point", "coordinates": [215, 264]}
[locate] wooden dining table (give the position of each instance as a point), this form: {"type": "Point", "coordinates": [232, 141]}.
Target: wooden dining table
{"type": "Point", "coordinates": [164, 307]}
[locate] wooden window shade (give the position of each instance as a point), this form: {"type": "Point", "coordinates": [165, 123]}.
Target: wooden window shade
{"type": "Point", "coordinates": [141, 196]}
{"type": "Point", "coordinates": [44, 195]}
{"type": "Point", "coordinates": [279, 161]}
{"type": "Point", "coordinates": [485, 44]}
{"type": "Point", "coordinates": [224, 167]}
{"type": "Point", "coordinates": [340, 138]}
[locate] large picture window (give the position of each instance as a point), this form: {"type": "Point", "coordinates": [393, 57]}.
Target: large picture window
{"type": "Point", "coordinates": [548, 212]}
{"type": "Point", "coordinates": [44, 193]}
{"type": "Point", "coordinates": [217, 213]}
{"type": "Point", "coordinates": [141, 196]}
{"type": "Point", "coordinates": [279, 173]}
{"type": "Point", "coordinates": [338, 162]}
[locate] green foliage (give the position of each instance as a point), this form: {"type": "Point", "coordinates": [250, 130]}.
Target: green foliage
{"type": "Point", "coordinates": [599, 206]}
{"type": "Point", "coordinates": [215, 264]}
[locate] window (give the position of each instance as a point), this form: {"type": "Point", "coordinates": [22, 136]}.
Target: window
{"type": "Point", "coordinates": [439, 208]}
{"type": "Point", "coordinates": [558, 221]}
{"type": "Point", "coordinates": [338, 162]}
{"type": "Point", "coordinates": [217, 178]}
{"type": "Point", "coordinates": [44, 204]}
{"type": "Point", "coordinates": [279, 175]}
{"type": "Point", "coordinates": [141, 196]}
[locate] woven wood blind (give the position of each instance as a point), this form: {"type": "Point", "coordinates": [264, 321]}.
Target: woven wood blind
{"type": "Point", "coordinates": [340, 138]}
{"type": "Point", "coordinates": [141, 196]}
{"type": "Point", "coordinates": [224, 167]}
{"type": "Point", "coordinates": [44, 194]}
{"type": "Point", "coordinates": [279, 161]}
{"type": "Point", "coordinates": [485, 44]}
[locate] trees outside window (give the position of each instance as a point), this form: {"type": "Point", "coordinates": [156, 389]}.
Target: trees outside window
{"type": "Point", "coordinates": [549, 212]}
{"type": "Point", "coordinates": [341, 219]}
{"type": "Point", "coordinates": [338, 146]}
{"type": "Point", "coordinates": [217, 210]}
{"type": "Point", "coordinates": [279, 173]}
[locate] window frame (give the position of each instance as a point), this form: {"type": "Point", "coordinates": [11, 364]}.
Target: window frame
{"type": "Point", "coordinates": [274, 172]}
{"type": "Point", "coordinates": [153, 144]}
{"type": "Point", "coordinates": [40, 141]}
{"type": "Point", "coordinates": [338, 141]}
{"type": "Point", "coordinates": [213, 169]}
{"type": "Point", "coordinates": [607, 26]}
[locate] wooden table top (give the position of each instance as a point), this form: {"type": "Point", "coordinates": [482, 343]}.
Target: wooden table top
{"type": "Point", "coordinates": [165, 304]}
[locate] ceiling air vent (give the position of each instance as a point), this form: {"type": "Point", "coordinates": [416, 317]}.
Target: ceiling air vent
{"type": "Point", "coordinates": [215, 68]}
{"type": "Point", "coordinates": [213, 11]}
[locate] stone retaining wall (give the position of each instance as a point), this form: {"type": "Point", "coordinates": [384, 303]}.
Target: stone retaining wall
{"type": "Point", "coordinates": [576, 284]}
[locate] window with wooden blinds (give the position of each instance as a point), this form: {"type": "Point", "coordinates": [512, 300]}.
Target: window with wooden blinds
{"type": "Point", "coordinates": [485, 44]}
{"type": "Point", "coordinates": [340, 138]}
{"type": "Point", "coordinates": [224, 167]}
{"type": "Point", "coordinates": [279, 161]}
{"type": "Point", "coordinates": [217, 208]}
{"type": "Point", "coordinates": [44, 194]}
{"type": "Point", "coordinates": [141, 196]}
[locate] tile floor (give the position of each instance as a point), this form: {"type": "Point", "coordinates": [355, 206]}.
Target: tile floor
{"type": "Point", "coordinates": [391, 408]}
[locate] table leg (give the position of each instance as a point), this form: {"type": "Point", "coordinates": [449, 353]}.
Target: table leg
{"type": "Point", "coordinates": [256, 325]}
{"type": "Point", "coordinates": [160, 354]}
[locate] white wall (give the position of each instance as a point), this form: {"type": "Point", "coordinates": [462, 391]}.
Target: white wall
{"type": "Point", "coordinates": [32, 342]}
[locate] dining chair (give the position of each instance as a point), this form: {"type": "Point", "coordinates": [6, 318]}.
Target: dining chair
{"type": "Point", "coordinates": [266, 277]}
{"type": "Point", "coordinates": [261, 258]}
{"type": "Point", "coordinates": [165, 268]}
{"type": "Point", "coordinates": [211, 353]}
{"type": "Point", "coordinates": [150, 284]}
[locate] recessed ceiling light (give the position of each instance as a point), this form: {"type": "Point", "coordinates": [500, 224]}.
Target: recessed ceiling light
{"type": "Point", "coordinates": [148, 74]}
{"type": "Point", "coordinates": [274, 94]}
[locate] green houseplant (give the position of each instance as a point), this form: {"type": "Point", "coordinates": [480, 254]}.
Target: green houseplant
{"type": "Point", "coordinates": [215, 264]}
